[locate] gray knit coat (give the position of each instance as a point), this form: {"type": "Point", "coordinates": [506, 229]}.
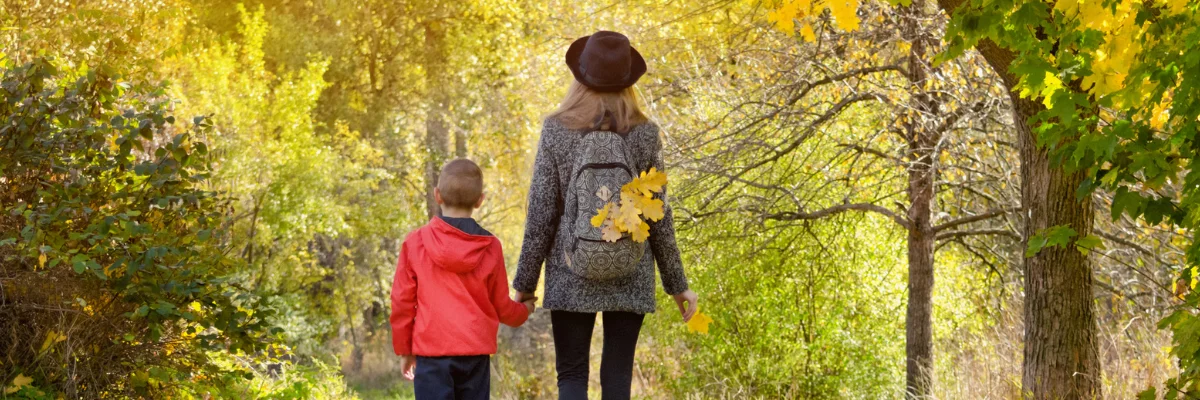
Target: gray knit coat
{"type": "Point", "coordinates": [548, 233]}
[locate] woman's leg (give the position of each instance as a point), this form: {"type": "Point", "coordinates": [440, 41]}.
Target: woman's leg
{"type": "Point", "coordinates": [572, 347]}
{"type": "Point", "coordinates": [616, 364]}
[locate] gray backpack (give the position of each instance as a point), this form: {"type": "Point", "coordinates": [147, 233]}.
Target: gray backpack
{"type": "Point", "coordinates": [602, 167]}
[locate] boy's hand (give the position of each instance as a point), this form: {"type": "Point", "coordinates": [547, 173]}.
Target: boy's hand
{"type": "Point", "coordinates": [408, 366]}
{"type": "Point", "coordinates": [529, 304]}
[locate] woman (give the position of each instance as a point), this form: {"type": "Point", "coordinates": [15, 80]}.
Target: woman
{"type": "Point", "coordinates": [601, 101]}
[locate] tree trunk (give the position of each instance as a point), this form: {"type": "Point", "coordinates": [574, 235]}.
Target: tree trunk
{"type": "Point", "coordinates": [460, 143]}
{"type": "Point", "coordinates": [1061, 352]}
{"type": "Point", "coordinates": [437, 144]}
{"type": "Point", "coordinates": [921, 139]}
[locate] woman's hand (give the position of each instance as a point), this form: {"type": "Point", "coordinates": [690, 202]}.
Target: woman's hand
{"type": "Point", "coordinates": [689, 297]}
{"type": "Point", "coordinates": [522, 296]}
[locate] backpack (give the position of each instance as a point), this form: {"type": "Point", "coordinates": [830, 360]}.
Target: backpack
{"type": "Point", "coordinates": [602, 167]}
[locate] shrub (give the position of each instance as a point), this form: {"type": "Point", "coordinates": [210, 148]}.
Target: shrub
{"type": "Point", "coordinates": [111, 258]}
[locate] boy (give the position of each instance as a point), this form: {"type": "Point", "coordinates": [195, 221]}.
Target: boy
{"type": "Point", "coordinates": [450, 294]}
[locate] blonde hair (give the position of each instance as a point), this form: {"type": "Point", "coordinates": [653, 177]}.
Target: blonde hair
{"type": "Point", "coordinates": [584, 108]}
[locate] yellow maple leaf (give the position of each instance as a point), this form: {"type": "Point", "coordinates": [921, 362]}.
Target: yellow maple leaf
{"type": "Point", "coordinates": [601, 215]}
{"type": "Point", "coordinates": [42, 260]}
{"type": "Point", "coordinates": [784, 18]}
{"type": "Point", "coordinates": [845, 12]}
{"type": "Point", "coordinates": [19, 382]}
{"type": "Point", "coordinates": [699, 322]}
{"type": "Point", "coordinates": [806, 32]}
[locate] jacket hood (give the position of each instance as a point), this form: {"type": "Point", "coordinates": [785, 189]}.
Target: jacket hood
{"type": "Point", "coordinates": [454, 250]}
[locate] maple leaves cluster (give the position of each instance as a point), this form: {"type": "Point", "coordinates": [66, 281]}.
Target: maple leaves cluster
{"type": "Point", "coordinates": [636, 201]}
{"type": "Point", "coordinates": [788, 12]}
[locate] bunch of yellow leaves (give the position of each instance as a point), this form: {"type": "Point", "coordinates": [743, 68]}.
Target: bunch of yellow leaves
{"type": "Point", "coordinates": [637, 201]}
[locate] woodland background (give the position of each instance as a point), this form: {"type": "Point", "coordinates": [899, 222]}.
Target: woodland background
{"type": "Point", "coordinates": [205, 198]}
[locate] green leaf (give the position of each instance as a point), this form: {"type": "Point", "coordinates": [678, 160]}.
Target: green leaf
{"type": "Point", "coordinates": [1058, 235]}
{"type": "Point", "coordinates": [1089, 243]}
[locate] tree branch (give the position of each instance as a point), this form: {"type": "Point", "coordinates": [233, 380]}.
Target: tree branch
{"type": "Point", "coordinates": [973, 218]}
{"type": "Point", "coordinates": [838, 209]}
{"type": "Point", "coordinates": [978, 232]}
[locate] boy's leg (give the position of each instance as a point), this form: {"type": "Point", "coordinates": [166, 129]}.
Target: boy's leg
{"type": "Point", "coordinates": [572, 345]}
{"type": "Point", "coordinates": [616, 363]}
{"type": "Point", "coordinates": [433, 379]}
{"type": "Point", "coordinates": [472, 377]}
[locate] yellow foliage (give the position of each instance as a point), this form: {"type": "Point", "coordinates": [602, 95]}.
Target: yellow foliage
{"type": "Point", "coordinates": [699, 322]}
{"type": "Point", "coordinates": [785, 14]}
{"type": "Point", "coordinates": [52, 338]}
{"type": "Point", "coordinates": [640, 232]}
{"type": "Point", "coordinates": [1122, 42]}
{"type": "Point", "coordinates": [628, 215]}
{"type": "Point", "coordinates": [649, 183]}
{"type": "Point", "coordinates": [598, 220]}
{"type": "Point", "coordinates": [636, 202]}
{"type": "Point", "coordinates": [845, 12]}
{"type": "Point", "coordinates": [19, 382]}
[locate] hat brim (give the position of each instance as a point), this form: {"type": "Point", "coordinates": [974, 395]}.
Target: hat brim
{"type": "Point", "coordinates": [637, 68]}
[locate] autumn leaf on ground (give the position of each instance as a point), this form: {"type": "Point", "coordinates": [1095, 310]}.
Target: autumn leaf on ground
{"type": "Point", "coordinates": [601, 215]}
{"type": "Point", "coordinates": [52, 338]}
{"type": "Point", "coordinates": [699, 323]}
{"type": "Point", "coordinates": [19, 382]}
{"type": "Point", "coordinates": [42, 260]}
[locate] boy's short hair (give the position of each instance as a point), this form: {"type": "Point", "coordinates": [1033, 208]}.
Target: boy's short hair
{"type": "Point", "coordinates": [461, 183]}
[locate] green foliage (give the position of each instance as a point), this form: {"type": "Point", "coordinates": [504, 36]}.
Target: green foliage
{"type": "Point", "coordinates": [105, 192]}
{"type": "Point", "coordinates": [799, 312]}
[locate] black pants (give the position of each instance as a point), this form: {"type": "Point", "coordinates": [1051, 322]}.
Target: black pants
{"type": "Point", "coordinates": [572, 345]}
{"type": "Point", "coordinates": [452, 378]}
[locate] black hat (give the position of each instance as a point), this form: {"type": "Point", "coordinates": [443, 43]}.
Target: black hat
{"type": "Point", "coordinates": [605, 62]}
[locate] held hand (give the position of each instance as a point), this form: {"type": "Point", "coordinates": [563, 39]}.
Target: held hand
{"type": "Point", "coordinates": [522, 296]}
{"type": "Point", "coordinates": [409, 366]}
{"type": "Point", "coordinates": [529, 304]}
{"type": "Point", "coordinates": [689, 297]}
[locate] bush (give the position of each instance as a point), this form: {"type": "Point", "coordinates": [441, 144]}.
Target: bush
{"type": "Point", "coordinates": [111, 255]}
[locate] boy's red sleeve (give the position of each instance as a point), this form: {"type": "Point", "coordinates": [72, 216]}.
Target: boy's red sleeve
{"type": "Point", "coordinates": [511, 313]}
{"type": "Point", "coordinates": [404, 304]}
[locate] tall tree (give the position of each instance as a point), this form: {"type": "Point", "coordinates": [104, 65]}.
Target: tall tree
{"type": "Point", "coordinates": [855, 73]}
{"type": "Point", "coordinates": [437, 144]}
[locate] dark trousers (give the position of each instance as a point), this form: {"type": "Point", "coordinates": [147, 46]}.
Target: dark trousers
{"type": "Point", "coordinates": [452, 378]}
{"type": "Point", "coordinates": [572, 345]}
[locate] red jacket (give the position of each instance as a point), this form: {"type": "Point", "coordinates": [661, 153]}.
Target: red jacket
{"type": "Point", "coordinates": [450, 293]}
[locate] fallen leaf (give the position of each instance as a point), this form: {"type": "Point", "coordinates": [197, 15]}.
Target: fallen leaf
{"type": "Point", "coordinates": [699, 323]}
{"type": "Point", "coordinates": [42, 260]}
{"type": "Point", "coordinates": [52, 338]}
{"type": "Point", "coordinates": [19, 382]}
